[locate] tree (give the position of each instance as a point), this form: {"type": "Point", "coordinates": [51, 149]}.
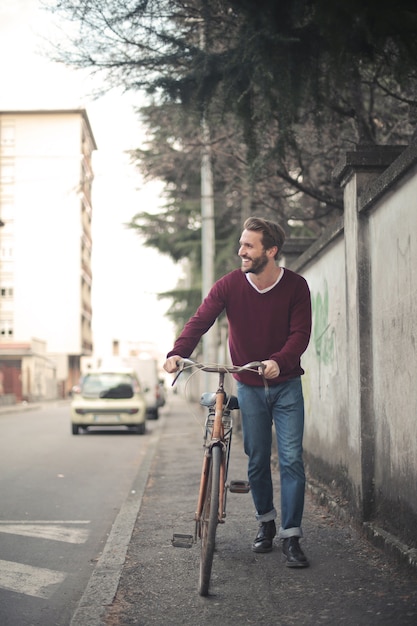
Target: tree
{"type": "Point", "coordinates": [286, 87]}
{"type": "Point", "coordinates": [306, 78]}
{"type": "Point", "coordinates": [173, 155]}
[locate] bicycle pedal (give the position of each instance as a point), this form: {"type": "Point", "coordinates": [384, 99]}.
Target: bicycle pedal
{"type": "Point", "coordinates": [182, 541]}
{"type": "Point", "coordinates": [239, 486]}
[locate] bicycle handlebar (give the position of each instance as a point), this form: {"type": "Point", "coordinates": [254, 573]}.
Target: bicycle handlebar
{"type": "Point", "coordinates": [253, 366]}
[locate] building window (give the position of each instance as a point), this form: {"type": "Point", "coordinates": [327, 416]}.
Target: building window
{"type": "Point", "coordinates": [7, 134]}
{"type": "Point", "coordinates": [6, 252]}
{"type": "Point", "coordinates": [7, 207]}
{"type": "Point", "coordinates": [6, 328]}
{"type": "Point", "coordinates": [6, 171]}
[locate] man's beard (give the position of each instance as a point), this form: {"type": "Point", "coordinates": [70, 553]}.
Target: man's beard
{"type": "Point", "coordinates": [258, 264]}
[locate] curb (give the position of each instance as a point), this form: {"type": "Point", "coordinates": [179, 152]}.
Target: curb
{"type": "Point", "coordinates": [104, 581]}
{"type": "Point", "coordinates": [390, 545]}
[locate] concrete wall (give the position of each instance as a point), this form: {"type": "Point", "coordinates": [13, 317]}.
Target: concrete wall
{"type": "Point", "coordinates": [325, 382]}
{"type": "Point", "coordinates": [360, 393]}
{"type": "Point", "coordinates": [393, 246]}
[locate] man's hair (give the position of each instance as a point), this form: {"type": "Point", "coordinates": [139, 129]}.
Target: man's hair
{"type": "Point", "coordinates": [272, 234]}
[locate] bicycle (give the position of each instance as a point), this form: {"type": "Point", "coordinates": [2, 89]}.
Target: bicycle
{"type": "Point", "coordinates": [211, 504]}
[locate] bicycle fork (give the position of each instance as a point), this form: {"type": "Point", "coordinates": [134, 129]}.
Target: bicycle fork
{"type": "Point", "coordinates": [204, 480]}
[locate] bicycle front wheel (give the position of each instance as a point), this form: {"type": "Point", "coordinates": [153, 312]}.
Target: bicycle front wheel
{"type": "Point", "coordinates": [209, 520]}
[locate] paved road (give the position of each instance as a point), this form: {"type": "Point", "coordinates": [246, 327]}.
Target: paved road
{"type": "Point", "coordinates": [60, 496]}
{"type": "Point", "coordinates": [349, 582]}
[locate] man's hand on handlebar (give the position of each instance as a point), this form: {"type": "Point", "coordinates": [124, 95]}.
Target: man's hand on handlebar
{"type": "Point", "coordinates": [171, 364]}
{"type": "Point", "coordinates": [271, 369]}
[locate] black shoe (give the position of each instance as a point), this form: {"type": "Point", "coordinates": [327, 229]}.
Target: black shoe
{"type": "Point", "coordinates": [263, 540]}
{"type": "Point", "coordinates": [295, 557]}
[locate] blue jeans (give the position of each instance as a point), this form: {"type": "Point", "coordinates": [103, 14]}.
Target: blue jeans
{"type": "Point", "coordinates": [282, 404]}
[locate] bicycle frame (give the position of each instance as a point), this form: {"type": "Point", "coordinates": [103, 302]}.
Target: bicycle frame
{"type": "Point", "coordinates": [217, 437]}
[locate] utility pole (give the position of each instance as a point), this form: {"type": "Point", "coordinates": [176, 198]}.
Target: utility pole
{"type": "Point", "coordinates": [207, 213]}
{"type": "Point", "coordinates": [208, 237]}
{"type": "Point", "coordinates": [208, 246]}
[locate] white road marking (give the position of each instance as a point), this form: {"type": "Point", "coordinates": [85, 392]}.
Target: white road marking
{"type": "Point", "coordinates": [55, 531]}
{"type": "Point", "coordinates": [32, 581]}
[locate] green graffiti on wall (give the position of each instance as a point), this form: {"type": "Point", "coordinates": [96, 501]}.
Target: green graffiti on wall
{"type": "Point", "coordinates": [323, 332]}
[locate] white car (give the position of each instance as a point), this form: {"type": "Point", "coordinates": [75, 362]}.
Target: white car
{"type": "Point", "coordinates": [108, 398]}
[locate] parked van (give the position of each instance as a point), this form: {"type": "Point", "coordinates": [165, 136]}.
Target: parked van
{"type": "Point", "coordinates": [147, 370]}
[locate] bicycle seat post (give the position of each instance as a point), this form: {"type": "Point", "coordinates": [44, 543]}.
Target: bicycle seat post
{"type": "Point", "coordinates": [218, 419]}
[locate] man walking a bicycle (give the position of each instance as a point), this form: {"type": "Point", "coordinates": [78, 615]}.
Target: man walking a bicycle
{"type": "Point", "coordinates": [269, 315]}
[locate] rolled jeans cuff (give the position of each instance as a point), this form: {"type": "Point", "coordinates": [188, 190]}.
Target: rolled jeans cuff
{"type": "Point", "coordinates": [290, 532]}
{"type": "Point", "coordinates": [267, 517]}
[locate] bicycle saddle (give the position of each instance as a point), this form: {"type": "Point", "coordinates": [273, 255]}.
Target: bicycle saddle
{"type": "Point", "coordinates": [208, 399]}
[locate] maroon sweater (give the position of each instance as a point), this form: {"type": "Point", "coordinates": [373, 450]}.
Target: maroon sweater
{"type": "Point", "coordinates": [273, 325]}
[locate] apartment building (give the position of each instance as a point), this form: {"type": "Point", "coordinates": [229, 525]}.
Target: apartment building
{"type": "Point", "coordinates": [45, 251]}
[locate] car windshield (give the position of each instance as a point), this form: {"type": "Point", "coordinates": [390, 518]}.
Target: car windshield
{"type": "Point", "coordinates": [108, 385]}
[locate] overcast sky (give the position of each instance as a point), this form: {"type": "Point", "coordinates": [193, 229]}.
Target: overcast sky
{"type": "Point", "coordinates": [126, 276]}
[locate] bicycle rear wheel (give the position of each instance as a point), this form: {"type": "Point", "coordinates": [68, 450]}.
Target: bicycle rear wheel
{"type": "Point", "coordinates": [209, 520]}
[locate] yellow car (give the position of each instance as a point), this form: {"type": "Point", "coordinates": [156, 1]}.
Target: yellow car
{"type": "Point", "coordinates": [108, 398]}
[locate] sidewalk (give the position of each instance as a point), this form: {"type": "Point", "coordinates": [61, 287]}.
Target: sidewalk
{"type": "Point", "coordinates": [6, 409]}
{"type": "Point", "coordinates": [349, 581]}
